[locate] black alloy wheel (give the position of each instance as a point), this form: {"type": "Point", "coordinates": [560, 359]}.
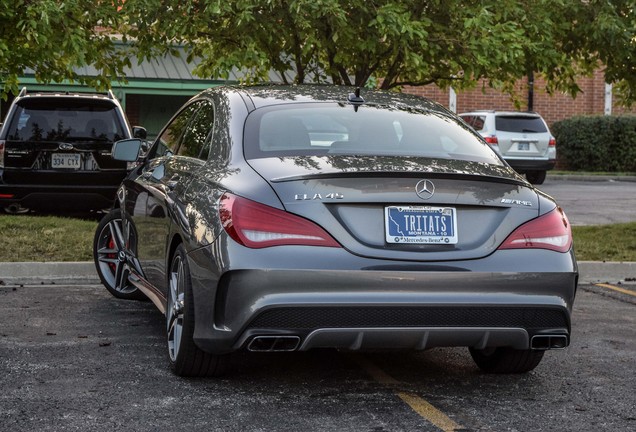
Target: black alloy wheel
{"type": "Point", "coordinates": [186, 358]}
{"type": "Point", "coordinates": [113, 248]}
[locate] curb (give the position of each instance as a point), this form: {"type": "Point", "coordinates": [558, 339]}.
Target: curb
{"type": "Point", "coordinates": [591, 272]}
{"type": "Point", "coordinates": [590, 178]}
{"type": "Point", "coordinates": [48, 273]}
{"type": "Point", "coordinates": [84, 273]}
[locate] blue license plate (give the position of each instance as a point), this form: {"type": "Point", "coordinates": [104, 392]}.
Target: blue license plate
{"type": "Point", "coordinates": [420, 225]}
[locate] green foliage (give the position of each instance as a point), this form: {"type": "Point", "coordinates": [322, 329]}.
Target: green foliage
{"type": "Point", "coordinates": [597, 143]}
{"type": "Point", "coordinates": [605, 32]}
{"type": "Point", "coordinates": [52, 37]}
{"type": "Point", "coordinates": [356, 42]}
{"type": "Point", "coordinates": [400, 42]}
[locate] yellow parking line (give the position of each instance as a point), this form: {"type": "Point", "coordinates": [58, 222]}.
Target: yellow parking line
{"type": "Point", "coordinates": [429, 412]}
{"type": "Point", "coordinates": [417, 404]}
{"type": "Point", "coordinates": [615, 288]}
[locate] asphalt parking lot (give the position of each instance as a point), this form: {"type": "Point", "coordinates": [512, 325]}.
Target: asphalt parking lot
{"type": "Point", "coordinates": [594, 201]}
{"type": "Point", "coordinates": [75, 358]}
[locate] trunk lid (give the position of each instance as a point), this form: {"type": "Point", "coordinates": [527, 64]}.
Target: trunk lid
{"type": "Point", "coordinates": [348, 195]}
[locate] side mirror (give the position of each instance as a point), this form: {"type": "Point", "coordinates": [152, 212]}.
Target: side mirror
{"type": "Point", "coordinates": [139, 132]}
{"type": "Point", "coordinates": [126, 150]}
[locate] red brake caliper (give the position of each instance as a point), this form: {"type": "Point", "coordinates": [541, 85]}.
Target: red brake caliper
{"type": "Point", "coordinates": [111, 245]}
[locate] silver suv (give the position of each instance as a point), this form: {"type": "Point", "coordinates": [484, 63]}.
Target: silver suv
{"type": "Point", "coordinates": [522, 138]}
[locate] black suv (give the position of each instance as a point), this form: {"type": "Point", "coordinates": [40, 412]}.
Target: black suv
{"type": "Point", "coordinates": [55, 151]}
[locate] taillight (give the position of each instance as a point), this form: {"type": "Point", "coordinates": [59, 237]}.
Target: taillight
{"type": "Point", "coordinates": [492, 140]}
{"type": "Point", "coordinates": [1, 154]}
{"type": "Point", "coordinates": [256, 225]}
{"type": "Point", "coordinates": [551, 231]}
{"type": "Point", "coordinates": [552, 142]}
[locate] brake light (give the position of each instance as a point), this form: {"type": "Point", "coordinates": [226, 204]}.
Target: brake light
{"type": "Point", "coordinates": [256, 225]}
{"type": "Point", "coordinates": [552, 142]}
{"type": "Point", "coordinates": [551, 231]}
{"type": "Point", "coordinates": [1, 154]}
{"type": "Point", "coordinates": [492, 140]}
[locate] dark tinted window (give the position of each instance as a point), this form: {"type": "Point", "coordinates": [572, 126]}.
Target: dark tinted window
{"type": "Point", "coordinates": [170, 137]}
{"type": "Point", "coordinates": [325, 128]}
{"type": "Point", "coordinates": [65, 119]}
{"type": "Point", "coordinates": [525, 124]}
{"type": "Point", "coordinates": [196, 138]}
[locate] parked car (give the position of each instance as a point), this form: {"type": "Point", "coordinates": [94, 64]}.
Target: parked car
{"type": "Point", "coordinates": [55, 151]}
{"type": "Point", "coordinates": [275, 218]}
{"type": "Point", "coordinates": [522, 138]}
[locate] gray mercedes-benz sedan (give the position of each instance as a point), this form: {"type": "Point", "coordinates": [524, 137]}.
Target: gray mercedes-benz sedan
{"type": "Point", "coordinates": [282, 218]}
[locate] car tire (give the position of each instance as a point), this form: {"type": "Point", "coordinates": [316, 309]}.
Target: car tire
{"type": "Point", "coordinates": [112, 247]}
{"type": "Point", "coordinates": [504, 360]}
{"type": "Point", "coordinates": [536, 177]}
{"type": "Point", "coordinates": [186, 358]}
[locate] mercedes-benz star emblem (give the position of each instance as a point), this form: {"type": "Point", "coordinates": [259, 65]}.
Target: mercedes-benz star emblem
{"type": "Point", "coordinates": [425, 189]}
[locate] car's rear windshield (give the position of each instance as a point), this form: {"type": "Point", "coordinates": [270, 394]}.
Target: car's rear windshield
{"type": "Point", "coordinates": [523, 124]}
{"type": "Point", "coordinates": [65, 119]}
{"type": "Point", "coordinates": [333, 129]}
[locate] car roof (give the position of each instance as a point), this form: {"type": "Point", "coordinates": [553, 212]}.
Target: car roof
{"type": "Point", "coordinates": [275, 94]}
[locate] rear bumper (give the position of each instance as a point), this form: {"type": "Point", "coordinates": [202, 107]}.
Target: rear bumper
{"type": "Point", "coordinates": [55, 197]}
{"type": "Point", "coordinates": [524, 165]}
{"type": "Point", "coordinates": [358, 308]}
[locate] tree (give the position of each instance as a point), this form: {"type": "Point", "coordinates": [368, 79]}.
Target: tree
{"type": "Point", "coordinates": [355, 42]}
{"type": "Point", "coordinates": [54, 38]}
{"type": "Point", "coordinates": [608, 35]}
{"type": "Point", "coordinates": [396, 43]}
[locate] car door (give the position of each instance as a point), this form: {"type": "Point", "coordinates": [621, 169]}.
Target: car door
{"type": "Point", "coordinates": [176, 155]}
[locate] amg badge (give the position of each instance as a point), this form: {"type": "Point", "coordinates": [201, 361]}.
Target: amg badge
{"type": "Point", "coordinates": [309, 197]}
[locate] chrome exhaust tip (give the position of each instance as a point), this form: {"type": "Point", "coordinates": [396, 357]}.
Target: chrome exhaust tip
{"type": "Point", "coordinates": [546, 342]}
{"type": "Point", "coordinates": [274, 343]}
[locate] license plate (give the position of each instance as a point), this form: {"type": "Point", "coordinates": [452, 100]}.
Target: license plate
{"type": "Point", "coordinates": [523, 146]}
{"type": "Point", "coordinates": [420, 225]}
{"type": "Point", "coordinates": [65, 161]}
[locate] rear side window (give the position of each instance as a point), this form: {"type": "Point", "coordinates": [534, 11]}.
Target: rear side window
{"type": "Point", "coordinates": [336, 129]}
{"type": "Point", "coordinates": [522, 124]}
{"type": "Point", "coordinates": [65, 119]}
{"type": "Point", "coordinates": [477, 122]}
{"type": "Point", "coordinates": [168, 141]}
{"type": "Point", "coordinates": [196, 137]}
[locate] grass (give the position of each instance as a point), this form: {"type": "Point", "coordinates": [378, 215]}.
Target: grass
{"type": "Point", "coordinates": [45, 238]}
{"type": "Point", "coordinates": [616, 242]}
{"type": "Point", "coordinates": [50, 238]}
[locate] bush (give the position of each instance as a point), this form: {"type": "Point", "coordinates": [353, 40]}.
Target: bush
{"type": "Point", "coordinates": [597, 143]}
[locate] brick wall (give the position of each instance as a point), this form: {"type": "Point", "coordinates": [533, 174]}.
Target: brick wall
{"type": "Point", "coordinates": [590, 101]}
{"type": "Point", "coordinates": [133, 103]}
